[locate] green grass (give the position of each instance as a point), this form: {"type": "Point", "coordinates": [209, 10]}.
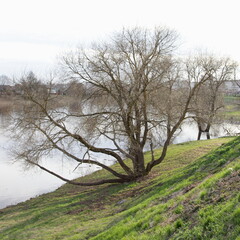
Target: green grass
{"type": "Point", "coordinates": [233, 114]}
{"type": "Point", "coordinates": [193, 194]}
{"type": "Point", "coordinates": [231, 98]}
{"type": "Point", "coordinates": [232, 108]}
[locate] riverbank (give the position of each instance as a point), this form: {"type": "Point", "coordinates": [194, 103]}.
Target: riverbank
{"type": "Point", "coordinates": [14, 104]}
{"type": "Point", "coordinates": [231, 111]}
{"type": "Point", "coordinates": [8, 104]}
{"type": "Point", "coordinates": [186, 197]}
{"type": "Point", "coordinates": [18, 185]}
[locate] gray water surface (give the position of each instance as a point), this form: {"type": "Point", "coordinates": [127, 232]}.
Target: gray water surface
{"type": "Point", "coordinates": [17, 185]}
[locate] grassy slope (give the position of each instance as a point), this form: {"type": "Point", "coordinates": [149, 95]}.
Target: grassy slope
{"type": "Point", "coordinates": [232, 109]}
{"type": "Point", "coordinates": [189, 196]}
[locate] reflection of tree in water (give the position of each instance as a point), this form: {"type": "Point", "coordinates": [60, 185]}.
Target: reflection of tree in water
{"type": "Point", "coordinates": [228, 129]}
{"type": "Point", "coordinates": [5, 121]}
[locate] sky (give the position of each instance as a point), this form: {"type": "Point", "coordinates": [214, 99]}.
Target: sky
{"type": "Point", "coordinates": [35, 33]}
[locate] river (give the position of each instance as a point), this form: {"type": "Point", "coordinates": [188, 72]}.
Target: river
{"type": "Point", "coordinates": [17, 184]}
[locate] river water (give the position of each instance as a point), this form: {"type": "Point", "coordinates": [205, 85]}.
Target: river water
{"type": "Point", "coordinates": [17, 184]}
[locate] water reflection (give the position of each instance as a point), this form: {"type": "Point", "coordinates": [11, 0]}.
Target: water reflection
{"type": "Point", "coordinates": [17, 185]}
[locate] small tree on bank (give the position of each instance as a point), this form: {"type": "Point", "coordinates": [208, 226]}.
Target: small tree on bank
{"type": "Point", "coordinates": [209, 98]}
{"type": "Point", "coordinates": [136, 89]}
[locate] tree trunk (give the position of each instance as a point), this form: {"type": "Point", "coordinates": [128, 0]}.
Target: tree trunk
{"type": "Point", "coordinates": [208, 131]}
{"type": "Point", "coordinates": [208, 135]}
{"type": "Point", "coordinates": [199, 133]}
{"type": "Point", "coordinates": [139, 167]}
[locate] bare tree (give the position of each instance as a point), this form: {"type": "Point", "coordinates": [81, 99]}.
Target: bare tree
{"type": "Point", "coordinates": [208, 99]}
{"type": "Point", "coordinates": [30, 84]}
{"type": "Point", "coordinates": [135, 90]}
{"type": "Point", "coordinates": [5, 88]}
{"type": "Point", "coordinates": [5, 80]}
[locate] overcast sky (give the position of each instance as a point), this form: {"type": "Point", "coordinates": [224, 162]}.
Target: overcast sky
{"type": "Point", "coordinates": [34, 32]}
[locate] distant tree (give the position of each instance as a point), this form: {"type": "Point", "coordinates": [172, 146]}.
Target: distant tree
{"type": "Point", "coordinates": [31, 86]}
{"type": "Point", "coordinates": [136, 90]}
{"type": "Point", "coordinates": [5, 80]}
{"type": "Point", "coordinates": [209, 97]}
{"type": "Point", "coordinates": [5, 88]}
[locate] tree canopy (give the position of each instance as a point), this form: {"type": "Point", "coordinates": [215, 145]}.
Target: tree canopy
{"type": "Point", "coordinates": [136, 91]}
